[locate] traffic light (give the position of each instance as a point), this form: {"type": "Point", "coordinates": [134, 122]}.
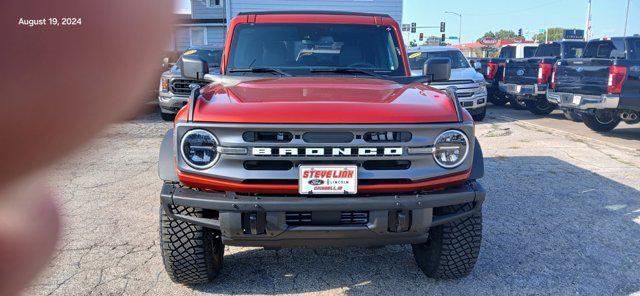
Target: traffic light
{"type": "Point", "coordinates": [413, 27]}
{"type": "Point", "coordinates": [421, 36]}
{"type": "Point", "coordinates": [442, 27]}
{"type": "Point", "coordinates": [519, 32]}
{"type": "Point", "coordinates": [444, 37]}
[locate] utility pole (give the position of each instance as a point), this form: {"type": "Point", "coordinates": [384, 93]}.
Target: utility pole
{"type": "Point", "coordinates": [587, 30]}
{"type": "Point", "coordinates": [460, 16]}
{"type": "Point", "coordinates": [546, 38]}
{"type": "Point", "coordinates": [626, 20]}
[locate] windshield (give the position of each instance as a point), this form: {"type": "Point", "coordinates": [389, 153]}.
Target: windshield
{"type": "Point", "coordinates": [212, 57]}
{"type": "Point", "coordinates": [573, 50]}
{"type": "Point", "coordinates": [300, 48]}
{"type": "Point", "coordinates": [417, 59]}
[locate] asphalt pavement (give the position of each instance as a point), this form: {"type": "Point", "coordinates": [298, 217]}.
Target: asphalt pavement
{"type": "Point", "coordinates": [562, 217]}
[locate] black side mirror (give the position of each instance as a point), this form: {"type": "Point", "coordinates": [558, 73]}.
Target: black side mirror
{"type": "Point", "coordinates": [437, 69]}
{"type": "Point", "coordinates": [194, 67]}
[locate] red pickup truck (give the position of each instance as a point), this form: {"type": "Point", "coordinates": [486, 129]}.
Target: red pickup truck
{"type": "Point", "coordinates": [315, 134]}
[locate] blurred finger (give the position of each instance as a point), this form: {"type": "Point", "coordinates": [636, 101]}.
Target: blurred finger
{"type": "Point", "coordinates": [29, 227]}
{"type": "Point", "coordinates": [65, 83]}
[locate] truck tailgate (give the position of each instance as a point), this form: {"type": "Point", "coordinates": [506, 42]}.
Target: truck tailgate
{"type": "Point", "coordinates": [583, 76]}
{"type": "Point", "coordinates": [522, 71]}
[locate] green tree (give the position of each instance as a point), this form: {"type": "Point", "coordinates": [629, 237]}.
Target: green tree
{"type": "Point", "coordinates": [500, 35]}
{"type": "Point", "coordinates": [488, 34]}
{"type": "Point", "coordinates": [505, 35]}
{"type": "Point", "coordinates": [555, 34]}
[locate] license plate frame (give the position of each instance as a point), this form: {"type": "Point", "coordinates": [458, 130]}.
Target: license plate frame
{"type": "Point", "coordinates": [328, 179]}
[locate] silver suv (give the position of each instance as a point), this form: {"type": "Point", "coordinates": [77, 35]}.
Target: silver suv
{"type": "Point", "coordinates": [471, 86]}
{"type": "Point", "coordinates": [174, 88]}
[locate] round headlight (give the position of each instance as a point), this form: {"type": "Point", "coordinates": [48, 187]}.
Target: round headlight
{"type": "Point", "coordinates": [451, 149]}
{"type": "Point", "coordinates": [198, 149]}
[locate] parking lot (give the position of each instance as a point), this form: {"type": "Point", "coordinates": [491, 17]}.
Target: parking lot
{"type": "Point", "coordinates": [562, 217]}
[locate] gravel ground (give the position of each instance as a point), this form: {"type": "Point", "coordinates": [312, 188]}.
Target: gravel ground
{"type": "Point", "coordinates": [562, 217]}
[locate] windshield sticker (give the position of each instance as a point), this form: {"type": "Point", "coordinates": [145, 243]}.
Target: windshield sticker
{"type": "Point", "coordinates": [415, 55]}
{"type": "Point", "coordinates": [320, 49]}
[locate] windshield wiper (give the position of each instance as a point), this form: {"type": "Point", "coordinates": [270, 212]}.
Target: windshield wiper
{"type": "Point", "coordinates": [347, 71]}
{"type": "Point", "coordinates": [261, 70]}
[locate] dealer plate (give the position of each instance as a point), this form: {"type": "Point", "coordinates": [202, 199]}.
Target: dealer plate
{"type": "Point", "coordinates": [577, 99]}
{"type": "Point", "coordinates": [328, 179]}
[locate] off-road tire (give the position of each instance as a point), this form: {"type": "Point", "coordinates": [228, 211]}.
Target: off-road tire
{"type": "Point", "coordinates": [540, 106]}
{"type": "Point", "coordinates": [167, 116]}
{"type": "Point", "coordinates": [598, 124]}
{"type": "Point", "coordinates": [572, 115]}
{"type": "Point", "coordinates": [480, 116]}
{"type": "Point", "coordinates": [452, 249]}
{"type": "Point", "coordinates": [191, 254]}
{"type": "Point", "coordinates": [515, 103]}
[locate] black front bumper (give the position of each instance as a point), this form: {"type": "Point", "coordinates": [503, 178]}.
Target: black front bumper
{"type": "Point", "coordinates": [261, 220]}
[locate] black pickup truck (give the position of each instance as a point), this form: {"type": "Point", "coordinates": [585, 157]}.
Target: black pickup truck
{"type": "Point", "coordinates": [526, 80]}
{"type": "Point", "coordinates": [492, 69]}
{"type": "Point", "coordinates": [603, 86]}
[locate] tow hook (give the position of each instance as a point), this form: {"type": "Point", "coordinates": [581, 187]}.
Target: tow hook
{"type": "Point", "coordinates": [254, 223]}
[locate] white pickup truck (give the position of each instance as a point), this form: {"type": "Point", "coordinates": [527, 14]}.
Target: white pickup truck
{"type": "Point", "coordinates": [470, 85]}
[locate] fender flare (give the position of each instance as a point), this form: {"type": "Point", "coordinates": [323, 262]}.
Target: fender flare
{"type": "Point", "coordinates": [477, 168]}
{"type": "Point", "coordinates": [166, 161]}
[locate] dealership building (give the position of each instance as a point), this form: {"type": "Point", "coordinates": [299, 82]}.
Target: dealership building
{"type": "Point", "coordinates": [207, 24]}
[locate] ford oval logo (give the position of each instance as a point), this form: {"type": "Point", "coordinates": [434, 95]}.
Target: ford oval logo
{"type": "Point", "coordinates": [520, 72]}
{"type": "Point", "coordinates": [580, 69]}
{"type": "Point", "coordinates": [316, 182]}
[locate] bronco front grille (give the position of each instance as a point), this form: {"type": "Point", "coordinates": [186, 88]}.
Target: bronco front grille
{"type": "Point", "coordinates": [181, 86]}
{"type": "Point", "coordinates": [267, 137]}
{"type": "Point", "coordinates": [383, 153]}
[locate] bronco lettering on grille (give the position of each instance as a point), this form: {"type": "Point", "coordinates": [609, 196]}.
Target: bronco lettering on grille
{"type": "Point", "coordinates": [382, 151]}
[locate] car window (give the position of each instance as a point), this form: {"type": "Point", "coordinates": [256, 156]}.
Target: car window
{"type": "Point", "coordinates": [212, 57]}
{"type": "Point", "coordinates": [548, 50]}
{"type": "Point", "coordinates": [508, 52]}
{"type": "Point", "coordinates": [619, 51]}
{"type": "Point", "coordinates": [634, 49]}
{"type": "Point", "coordinates": [603, 49]}
{"type": "Point", "coordinates": [529, 51]}
{"type": "Point", "coordinates": [573, 50]}
{"type": "Point", "coordinates": [417, 59]}
{"type": "Point", "coordinates": [300, 48]}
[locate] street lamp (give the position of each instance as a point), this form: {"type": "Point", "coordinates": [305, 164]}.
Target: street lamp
{"type": "Point", "coordinates": [460, 16]}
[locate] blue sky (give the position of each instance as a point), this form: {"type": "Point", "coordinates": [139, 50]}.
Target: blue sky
{"type": "Point", "coordinates": [481, 16]}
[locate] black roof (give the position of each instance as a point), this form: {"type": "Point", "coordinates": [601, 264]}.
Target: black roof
{"type": "Point", "coordinates": [315, 12]}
